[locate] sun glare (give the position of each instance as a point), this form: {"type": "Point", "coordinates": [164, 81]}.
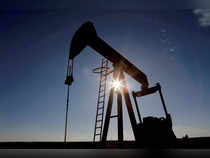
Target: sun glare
{"type": "Point", "coordinates": [116, 84]}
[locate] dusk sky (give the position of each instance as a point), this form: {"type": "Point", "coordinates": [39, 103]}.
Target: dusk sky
{"type": "Point", "coordinates": [168, 40]}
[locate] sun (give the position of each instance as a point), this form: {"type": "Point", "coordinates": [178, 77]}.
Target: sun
{"type": "Point", "coordinates": [116, 84]}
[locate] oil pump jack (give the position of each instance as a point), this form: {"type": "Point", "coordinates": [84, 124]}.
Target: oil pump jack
{"type": "Point", "coordinates": [150, 130]}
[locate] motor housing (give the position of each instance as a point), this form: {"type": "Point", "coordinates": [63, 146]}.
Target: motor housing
{"type": "Point", "coordinates": [154, 131]}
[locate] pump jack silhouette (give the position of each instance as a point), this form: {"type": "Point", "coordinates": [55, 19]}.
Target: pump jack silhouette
{"type": "Point", "coordinates": [150, 131]}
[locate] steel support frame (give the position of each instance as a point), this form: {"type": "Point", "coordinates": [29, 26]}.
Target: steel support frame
{"type": "Point", "coordinates": [118, 73]}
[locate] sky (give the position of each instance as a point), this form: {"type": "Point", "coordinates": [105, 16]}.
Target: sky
{"type": "Point", "coordinates": [168, 40]}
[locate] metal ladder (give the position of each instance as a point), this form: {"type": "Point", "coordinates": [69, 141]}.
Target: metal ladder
{"type": "Point", "coordinates": [101, 99]}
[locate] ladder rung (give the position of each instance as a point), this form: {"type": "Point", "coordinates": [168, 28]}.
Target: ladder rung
{"type": "Point", "coordinates": [113, 116]}
{"type": "Point", "coordinates": [100, 114]}
{"type": "Point", "coordinates": [101, 90]}
{"type": "Point", "coordinates": [97, 134]}
{"type": "Point", "coordinates": [101, 96]}
{"type": "Point", "coordinates": [98, 120]}
{"type": "Point", "coordinates": [99, 127]}
{"type": "Point", "coordinates": [99, 108]}
{"type": "Point", "coordinates": [100, 102]}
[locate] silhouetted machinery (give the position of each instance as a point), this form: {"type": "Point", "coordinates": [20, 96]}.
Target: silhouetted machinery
{"type": "Point", "coordinates": [150, 130]}
{"type": "Point", "coordinates": [153, 130]}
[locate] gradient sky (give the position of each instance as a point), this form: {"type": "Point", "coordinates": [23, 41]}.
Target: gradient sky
{"type": "Point", "coordinates": [168, 41]}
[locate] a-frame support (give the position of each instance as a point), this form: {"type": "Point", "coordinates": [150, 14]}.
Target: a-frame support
{"type": "Point", "coordinates": [118, 74]}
